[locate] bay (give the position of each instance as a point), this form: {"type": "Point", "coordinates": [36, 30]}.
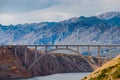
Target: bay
{"type": "Point", "coordinates": [61, 76]}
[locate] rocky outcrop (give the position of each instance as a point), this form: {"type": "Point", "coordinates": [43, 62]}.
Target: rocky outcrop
{"type": "Point", "coordinates": [109, 71]}
{"type": "Point", "coordinates": [61, 63]}
{"type": "Point", "coordinates": [12, 65]}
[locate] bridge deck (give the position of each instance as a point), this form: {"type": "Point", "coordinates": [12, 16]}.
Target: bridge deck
{"type": "Point", "coordinates": [112, 45]}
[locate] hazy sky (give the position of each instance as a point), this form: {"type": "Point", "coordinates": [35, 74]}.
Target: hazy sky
{"type": "Point", "coordinates": [30, 11]}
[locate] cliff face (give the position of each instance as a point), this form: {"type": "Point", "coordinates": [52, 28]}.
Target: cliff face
{"type": "Point", "coordinates": [14, 66]}
{"type": "Point", "coordinates": [61, 63]}
{"type": "Point", "coordinates": [109, 71]}
{"type": "Point", "coordinates": [11, 66]}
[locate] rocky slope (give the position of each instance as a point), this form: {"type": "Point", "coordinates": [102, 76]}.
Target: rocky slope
{"type": "Point", "coordinates": [12, 66]}
{"type": "Point", "coordinates": [109, 71]}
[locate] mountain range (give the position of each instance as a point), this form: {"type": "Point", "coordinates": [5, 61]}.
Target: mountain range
{"type": "Point", "coordinates": [98, 29]}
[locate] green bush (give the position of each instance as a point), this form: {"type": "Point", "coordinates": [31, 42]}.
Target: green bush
{"type": "Point", "coordinates": [116, 74]}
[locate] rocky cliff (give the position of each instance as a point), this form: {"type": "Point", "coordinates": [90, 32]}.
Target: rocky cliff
{"type": "Point", "coordinates": [13, 66]}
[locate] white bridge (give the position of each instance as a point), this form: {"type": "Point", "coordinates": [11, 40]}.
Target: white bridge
{"type": "Point", "coordinates": [47, 50]}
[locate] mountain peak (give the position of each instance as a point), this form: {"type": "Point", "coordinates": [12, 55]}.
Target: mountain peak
{"type": "Point", "coordinates": [109, 15]}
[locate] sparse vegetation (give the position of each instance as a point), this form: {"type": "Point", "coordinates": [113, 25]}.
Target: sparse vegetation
{"type": "Point", "coordinates": [112, 72]}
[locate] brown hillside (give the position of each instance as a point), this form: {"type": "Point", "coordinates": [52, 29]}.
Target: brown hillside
{"type": "Point", "coordinates": [109, 71]}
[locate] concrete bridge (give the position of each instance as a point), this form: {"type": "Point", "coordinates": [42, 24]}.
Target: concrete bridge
{"type": "Point", "coordinates": [48, 50]}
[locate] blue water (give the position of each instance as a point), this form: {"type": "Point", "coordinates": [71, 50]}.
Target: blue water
{"type": "Point", "coordinates": [62, 76]}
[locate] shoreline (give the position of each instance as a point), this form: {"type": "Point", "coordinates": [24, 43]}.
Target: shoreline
{"type": "Point", "coordinates": [48, 75]}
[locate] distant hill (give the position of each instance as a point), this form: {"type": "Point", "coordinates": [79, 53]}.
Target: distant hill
{"type": "Point", "coordinates": [109, 71]}
{"type": "Point", "coordinates": [99, 29]}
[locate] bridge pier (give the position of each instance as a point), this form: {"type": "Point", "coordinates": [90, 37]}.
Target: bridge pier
{"type": "Point", "coordinates": [56, 47]}
{"type": "Point", "coordinates": [35, 52]}
{"type": "Point", "coordinates": [78, 50]}
{"type": "Point", "coordinates": [66, 47]}
{"type": "Point", "coordinates": [46, 48]}
{"type": "Point", "coordinates": [25, 56]}
{"type": "Point", "coordinates": [99, 58]}
{"type": "Point", "coordinates": [109, 52]}
{"type": "Point", "coordinates": [15, 51]}
{"type": "Point", "coordinates": [89, 51]}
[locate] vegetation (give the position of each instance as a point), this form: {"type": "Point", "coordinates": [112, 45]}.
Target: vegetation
{"type": "Point", "coordinates": [108, 73]}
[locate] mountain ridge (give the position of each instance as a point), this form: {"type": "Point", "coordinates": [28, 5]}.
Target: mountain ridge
{"type": "Point", "coordinates": [109, 15]}
{"type": "Point", "coordinates": [81, 30]}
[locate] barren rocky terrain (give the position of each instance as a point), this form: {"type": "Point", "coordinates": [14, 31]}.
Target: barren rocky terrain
{"type": "Point", "coordinates": [13, 66]}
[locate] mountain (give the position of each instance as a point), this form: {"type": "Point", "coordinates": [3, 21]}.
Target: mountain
{"type": "Point", "coordinates": [109, 71]}
{"type": "Point", "coordinates": [109, 15]}
{"type": "Point", "coordinates": [100, 29]}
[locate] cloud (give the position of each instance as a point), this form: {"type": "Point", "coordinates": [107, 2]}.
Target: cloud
{"type": "Point", "coordinates": [18, 6]}
{"type": "Point", "coordinates": [35, 17]}
{"type": "Point", "coordinates": [29, 11]}
{"type": "Point", "coordinates": [109, 5]}
{"type": "Point", "coordinates": [8, 19]}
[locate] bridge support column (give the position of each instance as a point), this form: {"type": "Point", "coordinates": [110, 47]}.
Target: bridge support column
{"type": "Point", "coordinates": [46, 48]}
{"type": "Point", "coordinates": [78, 50]}
{"type": "Point", "coordinates": [109, 53]}
{"type": "Point", "coordinates": [89, 51]}
{"type": "Point", "coordinates": [15, 51]}
{"type": "Point", "coordinates": [35, 52]}
{"type": "Point", "coordinates": [66, 47]}
{"type": "Point", "coordinates": [99, 59]}
{"type": "Point", "coordinates": [25, 61]}
{"type": "Point", "coordinates": [56, 47]}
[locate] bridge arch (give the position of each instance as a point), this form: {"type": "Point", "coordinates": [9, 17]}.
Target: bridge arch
{"type": "Point", "coordinates": [68, 49]}
{"type": "Point", "coordinates": [48, 52]}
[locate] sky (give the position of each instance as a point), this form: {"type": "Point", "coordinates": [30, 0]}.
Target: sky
{"type": "Point", "coordinates": [35, 11]}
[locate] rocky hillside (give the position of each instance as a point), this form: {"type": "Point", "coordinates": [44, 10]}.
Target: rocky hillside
{"type": "Point", "coordinates": [109, 71]}
{"type": "Point", "coordinates": [12, 66]}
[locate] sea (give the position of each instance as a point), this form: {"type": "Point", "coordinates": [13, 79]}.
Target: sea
{"type": "Point", "coordinates": [61, 76]}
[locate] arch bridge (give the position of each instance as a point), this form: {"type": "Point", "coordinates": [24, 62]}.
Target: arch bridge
{"type": "Point", "coordinates": [48, 49]}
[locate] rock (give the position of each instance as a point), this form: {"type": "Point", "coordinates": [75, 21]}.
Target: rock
{"type": "Point", "coordinates": [14, 65]}
{"type": "Point", "coordinates": [10, 65]}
